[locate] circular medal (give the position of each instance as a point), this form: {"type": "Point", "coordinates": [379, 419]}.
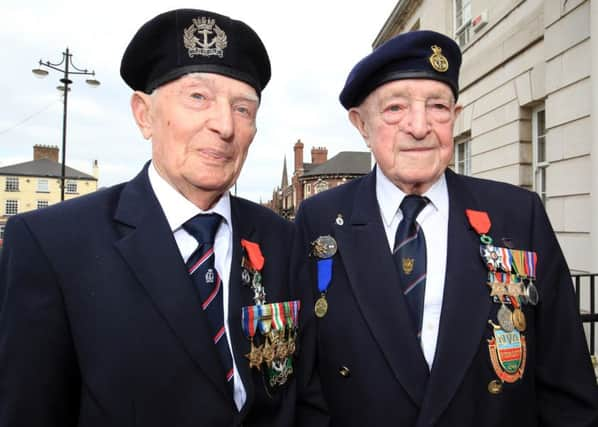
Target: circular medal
{"type": "Point", "coordinates": [245, 276]}
{"type": "Point", "coordinates": [531, 292]}
{"type": "Point", "coordinates": [519, 319]}
{"type": "Point", "coordinates": [523, 294]}
{"type": "Point", "coordinates": [321, 307]}
{"type": "Point", "coordinates": [505, 318]}
{"type": "Point", "coordinates": [324, 247]}
{"type": "Point", "coordinates": [495, 386]}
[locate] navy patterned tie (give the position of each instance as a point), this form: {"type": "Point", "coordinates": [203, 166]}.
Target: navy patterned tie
{"type": "Point", "coordinates": [207, 281]}
{"type": "Point", "coordinates": [410, 257]}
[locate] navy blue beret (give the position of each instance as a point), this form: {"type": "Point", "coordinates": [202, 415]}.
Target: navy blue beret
{"type": "Point", "coordinates": [185, 41]}
{"type": "Point", "coordinates": [412, 55]}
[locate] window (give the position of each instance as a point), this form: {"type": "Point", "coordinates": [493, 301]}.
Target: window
{"type": "Point", "coordinates": [71, 187]}
{"type": "Point", "coordinates": [462, 156]}
{"type": "Point", "coordinates": [42, 185]}
{"type": "Point", "coordinates": [321, 186]}
{"type": "Point", "coordinates": [462, 21]}
{"type": "Point", "coordinates": [540, 161]}
{"type": "Point", "coordinates": [12, 183]}
{"type": "Point", "coordinates": [307, 189]}
{"type": "Point", "coordinates": [11, 207]}
{"type": "Point", "coordinates": [42, 204]}
{"type": "Point", "coordinates": [1, 232]}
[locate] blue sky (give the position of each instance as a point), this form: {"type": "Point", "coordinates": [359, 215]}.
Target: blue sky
{"type": "Point", "coordinates": [312, 47]}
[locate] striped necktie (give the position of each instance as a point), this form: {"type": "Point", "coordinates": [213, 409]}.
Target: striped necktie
{"type": "Point", "coordinates": [410, 257]}
{"type": "Point", "coordinates": [207, 281]}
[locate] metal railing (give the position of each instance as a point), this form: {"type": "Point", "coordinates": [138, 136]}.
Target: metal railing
{"type": "Point", "coordinates": [585, 289]}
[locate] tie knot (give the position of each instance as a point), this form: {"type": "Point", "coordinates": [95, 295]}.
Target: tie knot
{"type": "Point", "coordinates": [203, 227]}
{"type": "Point", "coordinates": [412, 205]}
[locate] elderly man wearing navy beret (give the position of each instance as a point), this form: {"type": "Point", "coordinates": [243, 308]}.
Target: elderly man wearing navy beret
{"type": "Point", "coordinates": [431, 298]}
{"type": "Point", "coordinates": [162, 301]}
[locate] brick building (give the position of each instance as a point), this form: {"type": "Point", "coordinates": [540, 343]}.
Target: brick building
{"type": "Point", "coordinates": [311, 178]}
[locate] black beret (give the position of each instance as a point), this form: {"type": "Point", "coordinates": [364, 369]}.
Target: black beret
{"type": "Point", "coordinates": [412, 55]}
{"type": "Point", "coordinates": [185, 41]}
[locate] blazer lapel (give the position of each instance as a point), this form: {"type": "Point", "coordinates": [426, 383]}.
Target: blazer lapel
{"type": "Point", "coordinates": [465, 307]}
{"type": "Point", "coordinates": [150, 250]}
{"type": "Point", "coordinates": [238, 298]}
{"type": "Point", "coordinates": [372, 275]}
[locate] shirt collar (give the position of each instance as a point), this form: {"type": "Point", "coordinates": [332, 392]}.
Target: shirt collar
{"type": "Point", "coordinates": [390, 197]}
{"type": "Point", "coordinates": [177, 208]}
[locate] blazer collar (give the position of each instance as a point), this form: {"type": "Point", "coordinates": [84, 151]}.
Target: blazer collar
{"type": "Point", "coordinates": [148, 247]}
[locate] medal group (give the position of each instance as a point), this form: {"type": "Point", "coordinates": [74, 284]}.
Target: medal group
{"type": "Point", "coordinates": [277, 323]}
{"type": "Point", "coordinates": [511, 273]}
{"type": "Point", "coordinates": [323, 248]}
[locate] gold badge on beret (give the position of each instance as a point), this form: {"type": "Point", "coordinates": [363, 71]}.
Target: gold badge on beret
{"type": "Point", "coordinates": [438, 60]}
{"type": "Point", "coordinates": [204, 46]}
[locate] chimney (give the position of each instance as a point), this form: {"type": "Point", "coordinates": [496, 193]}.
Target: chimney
{"type": "Point", "coordinates": [95, 170]}
{"type": "Point", "coordinates": [49, 152]}
{"type": "Point", "coordinates": [319, 155]}
{"type": "Point", "coordinates": [298, 156]}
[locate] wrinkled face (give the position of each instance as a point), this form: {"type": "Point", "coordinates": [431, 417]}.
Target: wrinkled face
{"type": "Point", "coordinates": [408, 125]}
{"type": "Point", "coordinates": [201, 126]}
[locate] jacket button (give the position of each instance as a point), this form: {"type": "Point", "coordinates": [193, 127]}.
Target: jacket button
{"type": "Point", "coordinates": [344, 371]}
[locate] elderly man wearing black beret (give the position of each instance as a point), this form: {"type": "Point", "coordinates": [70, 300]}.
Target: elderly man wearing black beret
{"type": "Point", "coordinates": [431, 298]}
{"type": "Point", "coordinates": [162, 301]}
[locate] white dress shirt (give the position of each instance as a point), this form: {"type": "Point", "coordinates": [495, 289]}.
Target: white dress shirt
{"type": "Point", "coordinates": [433, 220]}
{"type": "Point", "coordinates": [179, 210]}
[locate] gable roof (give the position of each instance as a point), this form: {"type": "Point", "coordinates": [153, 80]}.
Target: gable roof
{"type": "Point", "coordinates": [44, 168]}
{"type": "Point", "coordinates": [344, 163]}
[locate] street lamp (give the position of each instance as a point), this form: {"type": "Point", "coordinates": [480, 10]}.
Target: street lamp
{"type": "Point", "coordinates": [67, 60]}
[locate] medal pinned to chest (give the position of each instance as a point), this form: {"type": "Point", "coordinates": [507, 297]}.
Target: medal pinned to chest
{"type": "Point", "coordinates": [270, 328]}
{"type": "Point", "coordinates": [273, 348]}
{"type": "Point", "coordinates": [511, 276]}
{"type": "Point", "coordinates": [323, 248]}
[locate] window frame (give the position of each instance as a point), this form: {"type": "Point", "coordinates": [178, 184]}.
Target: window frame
{"type": "Point", "coordinates": [6, 208]}
{"type": "Point", "coordinates": [15, 184]}
{"type": "Point", "coordinates": [465, 143]}
{"type": "Point", "coordinates": [41, 188]}
{"type": "Point", "coordinates": [463, 29]}
{"type": "Point", "coordinates": [69, 183]}
{"type": "Point", "coordinates": [539, 150]}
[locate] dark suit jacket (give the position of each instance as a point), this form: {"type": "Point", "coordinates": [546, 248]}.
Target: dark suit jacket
{"type": "Point", "coordinates": [366, 328]}
{"type": "Point", "coordinates": [100, 325]}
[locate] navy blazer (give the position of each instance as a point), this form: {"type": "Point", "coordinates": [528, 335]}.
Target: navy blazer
{"type": "Point", "coordinates": [362, 364]}
{"type": "Point", "coordinates": [100, 324]}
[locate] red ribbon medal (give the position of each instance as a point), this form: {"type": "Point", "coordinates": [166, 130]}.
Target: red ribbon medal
{"type": "Point", "coordinates": [480, 221]}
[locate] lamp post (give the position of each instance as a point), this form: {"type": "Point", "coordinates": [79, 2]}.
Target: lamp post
{"type": "Point", "coordinates": [67, 63]}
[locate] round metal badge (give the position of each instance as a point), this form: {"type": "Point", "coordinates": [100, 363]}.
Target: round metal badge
{"type": "Point", "coordinates": [324, 247]}
{"type": "Point", "coordinates": [519, 320]}
{"type": "Point", "coordinates": [495, 387]}
{"type": "Point", "coordinates": [505, 318]}
{"type": "Point", "coordinates": [321, 307]}
{"type": "Point", "coordinates": [531, 292]}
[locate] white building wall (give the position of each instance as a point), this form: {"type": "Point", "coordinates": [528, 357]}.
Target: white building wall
{"type": "Point", "coordinates": [531, 52]}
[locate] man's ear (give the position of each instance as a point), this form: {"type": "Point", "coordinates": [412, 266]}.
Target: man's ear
{"type": "Point", "coordinates": [357, 117]}
{"type": "Point", "coordinates": [141, 104]}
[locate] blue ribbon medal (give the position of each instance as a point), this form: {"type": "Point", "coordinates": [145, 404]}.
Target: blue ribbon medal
{"type": "Point", "coordinates": [324, 278]}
